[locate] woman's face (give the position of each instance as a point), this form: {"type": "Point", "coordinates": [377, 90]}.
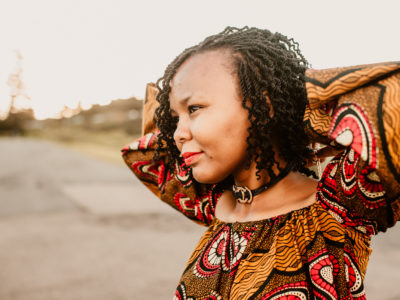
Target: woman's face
{"type": "Point", "coordinates": [212, 123]}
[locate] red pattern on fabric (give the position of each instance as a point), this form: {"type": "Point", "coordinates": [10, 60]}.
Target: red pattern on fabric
{"type": "Point", "coordinates": [183, 174]}
{"type": "Point", "coordinates": [213, 296]}
{"type": "Point", "coordinates": [204, 206]}
{"type": "Point", "coordinates": [349, 173]}
{"type": "Point", "coordinates": [290, 291]}
{"type": "Point", "coordinates": [322, 267]}
{"type": "Point", "coordinates": [370, 190]}
{"type": "Point", "coordinates": [203, 211]}
{"type": "Point", "coordinates": [222, 252]}
{"type": "Point", "coordinates": [181, 294]}
{"type": "Point", "coordinates": [329, 200]}
{"type": "Point", "coordinates": [353, 275]}
{"type": "Point", "coordinates": [351, 117]}
{"type": "Point", "coordinates": [143, 143]}
{"type": "Point", "coordinates": [152, 172]}
{"type": "Point", "coordinates": [146, 170]}
{"type": "Point", "coordinates": [183, 202]}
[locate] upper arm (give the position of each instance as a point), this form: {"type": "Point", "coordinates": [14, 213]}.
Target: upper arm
{"type": "Point", "coordinates": [359, 108]}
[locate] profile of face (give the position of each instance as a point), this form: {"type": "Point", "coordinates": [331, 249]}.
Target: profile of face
{"type": "Point", "coordinates": [212, 124]}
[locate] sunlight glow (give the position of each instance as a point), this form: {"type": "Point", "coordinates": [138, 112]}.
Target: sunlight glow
{"type": "Point", "coordinates": [96, 51]}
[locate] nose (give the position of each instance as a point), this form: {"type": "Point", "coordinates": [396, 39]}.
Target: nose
{"type": "Point", "coordinates": [182, 132]}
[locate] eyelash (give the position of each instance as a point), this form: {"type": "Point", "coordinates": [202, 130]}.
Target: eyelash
{"type": "Point", "coordinates": [175, 119]}
{"type": "Point", "coordinates": [193, 106]}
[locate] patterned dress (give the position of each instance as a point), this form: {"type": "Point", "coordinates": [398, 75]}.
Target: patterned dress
{"type": "Point", "coordinates": [317, 252]}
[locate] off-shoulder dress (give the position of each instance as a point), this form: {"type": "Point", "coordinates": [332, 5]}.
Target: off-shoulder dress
{"type": "Point", "coordinates": [320, 251]}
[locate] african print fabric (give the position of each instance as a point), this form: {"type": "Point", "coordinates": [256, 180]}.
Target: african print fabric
{"type": "Point", "coordinates": [359, 108]}
{"type": "Point", "coordinates": [317, 252]}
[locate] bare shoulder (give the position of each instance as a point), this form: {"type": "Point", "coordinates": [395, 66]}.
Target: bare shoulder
{"type": "Point", "coordinates": [294, 192]}
{"type": "Point", "coordinates": [301, 186]}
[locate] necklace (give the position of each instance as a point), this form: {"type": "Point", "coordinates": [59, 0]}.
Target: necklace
{"type": "Point", "coordinates": [244, 195]}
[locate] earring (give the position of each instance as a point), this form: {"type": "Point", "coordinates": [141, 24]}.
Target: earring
{"type": "Point", "coordinates": [319, 166]}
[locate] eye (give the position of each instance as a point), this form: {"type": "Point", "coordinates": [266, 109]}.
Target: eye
{"type": "Point", "coordinates": [193, 108]}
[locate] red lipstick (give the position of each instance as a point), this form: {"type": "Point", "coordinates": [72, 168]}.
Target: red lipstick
{"type": "Point", "coordinates": [191, 157]}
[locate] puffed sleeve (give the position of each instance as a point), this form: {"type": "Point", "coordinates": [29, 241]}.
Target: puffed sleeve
{"type": "Point", "coordinates": [175, 187]}
{"type": "Point", "coordinates": [358, 108]}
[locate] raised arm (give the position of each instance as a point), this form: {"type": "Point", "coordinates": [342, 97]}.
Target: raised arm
{"type": "Point", "coordinates": [358, 108]}
{"type": "Point", "coordinates": [175, 187]}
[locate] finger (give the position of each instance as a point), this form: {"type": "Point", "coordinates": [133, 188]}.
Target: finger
{"type": "Point", "coordinates": [328, 151]}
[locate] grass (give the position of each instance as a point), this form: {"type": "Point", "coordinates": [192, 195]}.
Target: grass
{"type": "Point", "coordinates": [104, 145]}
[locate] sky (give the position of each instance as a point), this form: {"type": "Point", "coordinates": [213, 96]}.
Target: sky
{"type": "Point", "coordinates": [95, 51]}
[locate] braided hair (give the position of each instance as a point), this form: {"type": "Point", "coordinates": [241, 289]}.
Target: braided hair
{"type": "Point", "coordinates": [267, 64]}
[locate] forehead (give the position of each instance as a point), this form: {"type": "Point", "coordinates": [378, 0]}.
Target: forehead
{"type": "Point", "coordinates": [203, 74]}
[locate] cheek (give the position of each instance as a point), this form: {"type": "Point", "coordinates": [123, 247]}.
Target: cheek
{"type": "Point", "coordinates": [225, 152]}
{"type": "Point", "coordinates": [222, 137]}
{"type": "Point", "coordinates": [215, 128]}
{"type": "Point", "coordinates": [234, 137]}
{"type": "Point", "coordinates": [203, 132]}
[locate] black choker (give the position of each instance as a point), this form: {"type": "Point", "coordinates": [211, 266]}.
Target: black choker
{"type": "Point", "coordinates": [245, 196]}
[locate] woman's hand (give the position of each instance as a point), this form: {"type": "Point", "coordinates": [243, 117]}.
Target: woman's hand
{"type": "Point", "coordinates": [322, 153]}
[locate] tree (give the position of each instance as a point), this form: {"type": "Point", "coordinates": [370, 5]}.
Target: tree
{"type": "Point", "coordinates": [19, 97]}
{"type": "Point", "coordinates": [20, 109]}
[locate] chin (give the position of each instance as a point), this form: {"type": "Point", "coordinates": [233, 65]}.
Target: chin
{"type": "Point", "coordinates": [207, 176]}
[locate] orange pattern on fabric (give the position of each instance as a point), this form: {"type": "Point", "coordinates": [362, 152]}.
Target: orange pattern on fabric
{"type": "Point", "coordinates": [321, 250]}
{"type": "Point", "coordinates": [375, 89]}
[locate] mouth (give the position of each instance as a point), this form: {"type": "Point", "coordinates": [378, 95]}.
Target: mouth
{"type": "Point", "coordinates": [191, 157]}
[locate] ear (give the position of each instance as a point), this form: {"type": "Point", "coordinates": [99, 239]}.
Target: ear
{"type": "Point", "coordinates": [268, 101]}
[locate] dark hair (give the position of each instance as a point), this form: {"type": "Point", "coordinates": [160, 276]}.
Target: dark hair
{"type": "Point", "coordinates": [266, 64]}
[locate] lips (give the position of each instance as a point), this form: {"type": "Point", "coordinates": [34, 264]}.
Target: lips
{"type": "Point", "coordinates": [191, 157]}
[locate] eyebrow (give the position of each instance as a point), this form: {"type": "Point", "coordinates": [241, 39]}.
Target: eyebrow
{"type": "Point", "coordinates": [181, 102]}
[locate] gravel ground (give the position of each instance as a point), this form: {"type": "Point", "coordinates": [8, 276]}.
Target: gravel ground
{"type": "Point", "coordinates": [72, 227]}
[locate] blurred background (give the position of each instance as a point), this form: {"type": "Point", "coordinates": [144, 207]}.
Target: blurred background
{"type": "Point", "coordinates": [74, 222]}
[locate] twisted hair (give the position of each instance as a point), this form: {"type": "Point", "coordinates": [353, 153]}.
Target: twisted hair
{"type": "Point", "coordinates": [267, 64]}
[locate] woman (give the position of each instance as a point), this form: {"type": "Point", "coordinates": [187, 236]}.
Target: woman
{"type": "Point", "coordinates": [233, 137]}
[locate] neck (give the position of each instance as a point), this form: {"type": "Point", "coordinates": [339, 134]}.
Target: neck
{"type": "Point", "coordinates": [247, 177]}
{"type": "Point", "coordinates": [245, 195]}
{"type": "Point", "coordinates": [292, 192]}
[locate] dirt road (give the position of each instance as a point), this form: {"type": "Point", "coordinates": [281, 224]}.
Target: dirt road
{"type": "Point", "coordinates": [72, 227]}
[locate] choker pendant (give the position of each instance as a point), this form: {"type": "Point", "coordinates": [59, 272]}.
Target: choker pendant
{"type": "Point", "coordinates": [242, 194]}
